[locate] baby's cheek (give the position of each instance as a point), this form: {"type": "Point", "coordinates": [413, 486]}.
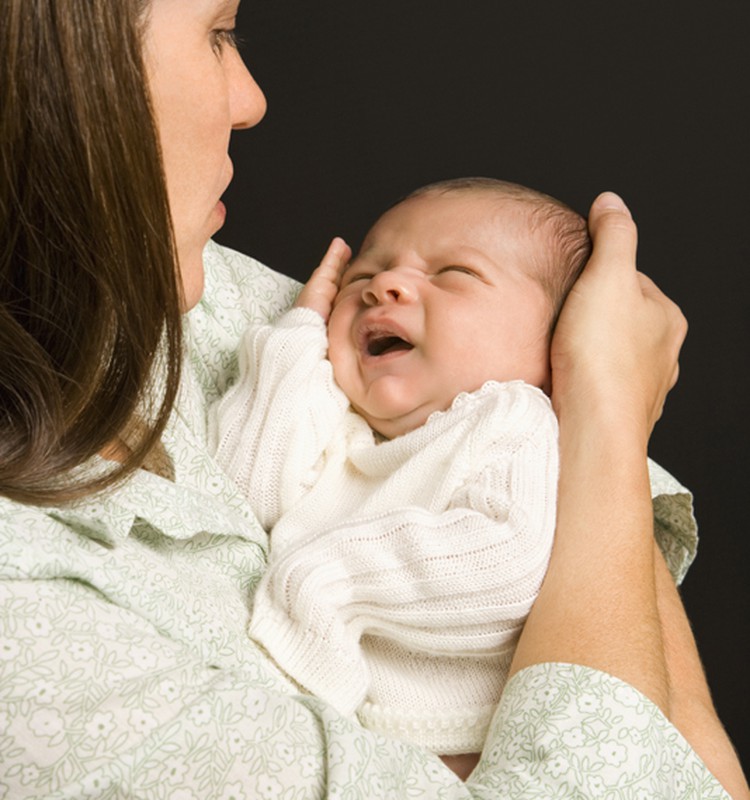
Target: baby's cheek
{"type": "Point", "coordinates": [339, 357]}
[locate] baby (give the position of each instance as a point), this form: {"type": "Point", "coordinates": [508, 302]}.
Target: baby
{"type": "Point", "coordinates": [409, 478]}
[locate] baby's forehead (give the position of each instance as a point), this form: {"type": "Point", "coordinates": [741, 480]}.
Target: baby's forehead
{"type": "Point", "coordinates": [479, 198]}
{"type": "Point", "coordinates": [486, 220]}
{"type": "Point", "coordinates": [450, 216]}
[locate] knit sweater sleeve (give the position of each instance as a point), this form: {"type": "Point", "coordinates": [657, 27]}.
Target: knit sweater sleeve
{"type": "Point", "coordinates": [460, 582]}
{"type": "Point", "coordinates": [269, 429]}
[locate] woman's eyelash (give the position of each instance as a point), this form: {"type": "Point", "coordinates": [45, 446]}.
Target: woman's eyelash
{"type": "Point", "coordinates": [225, 37]}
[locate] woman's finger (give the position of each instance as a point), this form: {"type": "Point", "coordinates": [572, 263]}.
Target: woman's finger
{"type": "Point", "coordinates": [614, 234]}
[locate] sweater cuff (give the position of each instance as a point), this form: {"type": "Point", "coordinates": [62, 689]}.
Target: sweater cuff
{"type": "Point", "coordinates": [448, 732]}
{"type": "Point", "coordinates": [338, 675]}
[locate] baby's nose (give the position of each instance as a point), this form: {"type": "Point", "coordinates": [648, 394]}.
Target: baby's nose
{"type": "Point", "coordinates": [390, 286]}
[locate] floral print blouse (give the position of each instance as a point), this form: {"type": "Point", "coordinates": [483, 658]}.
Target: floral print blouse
{"type": "Point", "coordinates": [126, 670]}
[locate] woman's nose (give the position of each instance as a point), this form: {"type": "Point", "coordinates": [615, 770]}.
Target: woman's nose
{"type": "Point", "coordinates": [246, 99]}
{"type": "Point", "coordinates": [389, 286]}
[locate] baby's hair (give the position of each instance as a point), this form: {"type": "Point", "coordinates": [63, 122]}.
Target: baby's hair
{"type": "Point", "coordinates": [566, 247]}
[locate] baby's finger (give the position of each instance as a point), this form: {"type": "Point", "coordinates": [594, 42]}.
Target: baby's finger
{"type": "Point", "coordinates": [320, 291]}
{"type": "Point", "coordinates": [335, 260]}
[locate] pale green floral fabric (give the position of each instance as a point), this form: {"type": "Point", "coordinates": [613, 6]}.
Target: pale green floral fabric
{"type": "Point", "coordinates": [126, 670]}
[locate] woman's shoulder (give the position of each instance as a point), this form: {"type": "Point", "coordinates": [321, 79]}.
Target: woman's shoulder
{"type": "Point", "coordinates": [243, 287]}
{"type": "Point", "coordinates": [238, 291]}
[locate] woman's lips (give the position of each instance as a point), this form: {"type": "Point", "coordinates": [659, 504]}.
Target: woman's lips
{"type": "Point", "coordinates": [218, 216]}
{"type": "Point", "coordinates": [220, 209]}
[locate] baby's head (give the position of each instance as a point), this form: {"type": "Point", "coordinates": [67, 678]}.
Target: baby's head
{"type": "Point", "coordinates": [459, 283]}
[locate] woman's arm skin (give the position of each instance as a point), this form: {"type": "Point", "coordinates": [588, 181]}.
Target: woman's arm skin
{"type": "Point", "coordinates": [614, 358]}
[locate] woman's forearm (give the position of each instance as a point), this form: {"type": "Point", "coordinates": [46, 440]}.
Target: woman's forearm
{"type": "Point", "coordinates": [598, 605]}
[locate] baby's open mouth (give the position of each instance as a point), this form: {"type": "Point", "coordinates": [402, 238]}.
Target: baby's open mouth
{"type": "Point", "coordinates": [380, 345]}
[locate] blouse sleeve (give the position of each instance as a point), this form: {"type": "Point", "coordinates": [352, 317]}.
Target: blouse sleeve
{"type": "Point", "coordinates": [564, 730]}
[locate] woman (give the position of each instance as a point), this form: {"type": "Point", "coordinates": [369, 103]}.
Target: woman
{"type": "Point", "coordinates": [127, 558]}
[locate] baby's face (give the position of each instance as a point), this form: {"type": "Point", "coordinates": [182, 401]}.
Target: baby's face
{"type": "Point", "coordinates": [438, 301]}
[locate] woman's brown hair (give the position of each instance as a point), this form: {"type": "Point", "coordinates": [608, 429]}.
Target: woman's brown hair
{"type": "Point", "coordinates": [90, 327]}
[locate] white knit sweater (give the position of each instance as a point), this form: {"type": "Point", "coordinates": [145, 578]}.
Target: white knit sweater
{"type": "Point", "coordinates": [401, 572]}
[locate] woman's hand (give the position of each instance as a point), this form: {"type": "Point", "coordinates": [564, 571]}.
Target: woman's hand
{"type": "Point", "coordinates": [618, 338]}
{"type": "Point", "coordinates": [614, 358]}
{"type": "Point", "coordinates": [321, 289]}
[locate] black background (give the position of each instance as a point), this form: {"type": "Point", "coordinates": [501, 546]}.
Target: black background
{"type": "Point", "coordinates": [368, 100]}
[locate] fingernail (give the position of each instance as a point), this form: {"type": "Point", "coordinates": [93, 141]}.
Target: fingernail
{"type": "Point", "coordinates": [611, 200]}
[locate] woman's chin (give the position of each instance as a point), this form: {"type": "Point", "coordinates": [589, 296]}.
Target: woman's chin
{"type": "Point", "coordinates": [220, 213]}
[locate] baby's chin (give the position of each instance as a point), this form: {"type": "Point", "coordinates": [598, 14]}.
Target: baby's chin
{"type": "Point", "coordinates": [400, 422]}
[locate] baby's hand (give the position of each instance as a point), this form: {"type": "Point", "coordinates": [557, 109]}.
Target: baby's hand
{"type": "Point", "coordinates": [320, 291]}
